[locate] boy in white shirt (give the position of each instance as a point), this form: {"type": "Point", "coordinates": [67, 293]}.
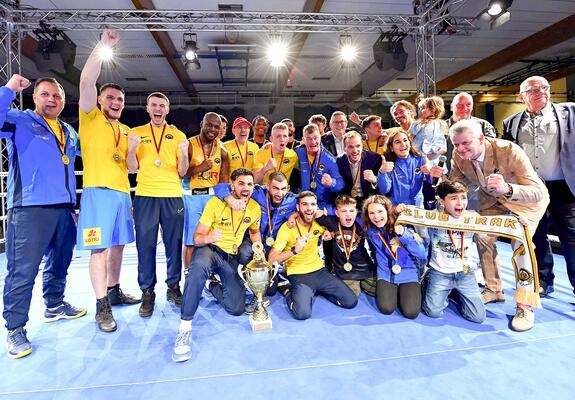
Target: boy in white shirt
{"type": "Point", "coordinates": [450, 264]}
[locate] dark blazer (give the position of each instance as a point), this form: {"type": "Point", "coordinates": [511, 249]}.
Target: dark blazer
{"type": "Point", "coordinates": [369, 160]}
{"type": "Point", "coordinates": [328, 142]}
{"type": "Point", "coordinates": [565, 113]}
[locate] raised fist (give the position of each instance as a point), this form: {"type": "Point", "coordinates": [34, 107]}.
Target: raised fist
{"type": "Point", "coordinates": [110, 37]}
{"type": "Point", "coordinates": [17, 83]}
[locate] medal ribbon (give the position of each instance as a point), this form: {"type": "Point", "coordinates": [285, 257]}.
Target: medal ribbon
{"type": "Point", "coordinates": [460, 253]}
{"type": "Point", "coordinates": [61, 140]}
{"type": "Point", "coordinates": [345, 249]}
{"type": "Point", "coordinates": [116, 139]}
{"type": "Point", "coordinates": [270, 215]}
{"type": "Point", "coordinates": [308, 229]}
{"type": "Point", "coordinates": [393, 255]}
{"type": "Point", "coordinates": [235, 230]}
{"type": "Point", "coordinates": [356, 177]}
{"type": "Point", "coordinates": [239, 151]}
{"type": "Point", "coordinates": [158, 146]}
{"type": "Point", "coordinates": [376, 145]}
{"type": "Point", "coordinates": [203, 151]}
{"type": "Point", "coordinates": [281, 161]}
{"type": "Point", "coordinates": [314, 165]}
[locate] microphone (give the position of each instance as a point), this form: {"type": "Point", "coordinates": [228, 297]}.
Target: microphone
{"type": "Point", "coordinates": [442, 160]}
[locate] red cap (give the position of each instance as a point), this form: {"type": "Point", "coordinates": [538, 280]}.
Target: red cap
{"type": "Point", "coordinates": [241, 120]}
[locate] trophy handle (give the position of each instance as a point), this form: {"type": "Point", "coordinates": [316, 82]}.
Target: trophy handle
{"type": "Point", "coordinates": [241, 273]}
{"type": "Point", "coordinates": [275, 267]}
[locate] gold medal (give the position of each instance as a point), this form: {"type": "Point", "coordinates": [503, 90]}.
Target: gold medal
{"type": "Point", "coordinates": [466, 269]}
{"type": "Point", "coordinates": [347, 266]}
{"type": "Point", "coordinates": [117, 157]}
{"type": "Point", "coordinates": [206, 175]}
{"type": "Point", "coordinates": [235, 249]}
{"type": "Point", "coordinates": [158, 162]}
{"type": "Point", "coordinates": [313, 185]}
{"type": "Point", "coordinates": [270, 241]}
{"type": "Point", "coordinates": [65, 159]}
{"type": "Point", "coordinates": [396, 269]}
{"type": "Point", "coordinates": [354, 193]}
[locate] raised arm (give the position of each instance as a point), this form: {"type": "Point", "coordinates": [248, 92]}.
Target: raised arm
{"type": "Point", "coordinates": [91, 71]}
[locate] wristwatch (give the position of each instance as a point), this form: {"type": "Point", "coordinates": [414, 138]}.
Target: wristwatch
{"type": "Point", "coordinates": [293, 250]}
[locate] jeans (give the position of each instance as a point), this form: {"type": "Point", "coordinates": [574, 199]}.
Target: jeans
{"type": "Point", "coordinates": [439, 285]}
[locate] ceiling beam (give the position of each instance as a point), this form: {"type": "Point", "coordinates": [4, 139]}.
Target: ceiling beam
{"type": "Point", "coordinates": [168, 49]}
{"type": "Point", "coordinates": [548, 37]}
{"type": "Point", "coordinates": [295, 46]}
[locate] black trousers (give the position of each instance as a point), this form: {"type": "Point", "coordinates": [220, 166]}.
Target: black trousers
{"type": "Point", "coordinates": [405, 295]}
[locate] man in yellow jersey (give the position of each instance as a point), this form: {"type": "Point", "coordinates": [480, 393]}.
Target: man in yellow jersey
{"type": "Point", "coordinates": [160, 152]}
{"type": "Point", "coordinates": [209, 165]}
{"type": "Point", "coordinates": [219, 235]}
{"type": "Point", "coordinates": [223, 127]}
{"type": "Point", "coordinates": [240, 150]}
{"type": "Point", "coordinates": [276, 157]}
{"type": "Point", "coordinates": [105, 224]}
{"type": "Point", "coordinates": [375, 137]}
{"type": "Point", "coordinates": [260, 125]}
{"type": "Point", "coordinates": [292, 142]}
{"type": "Point", "coordinates": [297, 247]}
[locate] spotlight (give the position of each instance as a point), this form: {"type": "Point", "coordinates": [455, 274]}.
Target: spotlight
{"type": "Point", "coordinates": [106, 53]}
{"type": "Point", "coordinates": [277, 52]}
{"type": "Point", "coordinates": [190, 46]}
{"type": "Point", "coordinates": [192, 65]}
{"type": "Point", "coordinates": [55, 50]}
{"type": "Point", "coordinates": [348, 52]}
{"type": "Point", "coordinates": [497, 7]}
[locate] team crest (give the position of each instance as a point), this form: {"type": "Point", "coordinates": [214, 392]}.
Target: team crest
{"type": "Point", "coordinates": [250, 153]}
{"type": "Point", "coordinates": [217, 161]}
{"type": "Point", "coordinates": [247, 220]}
{"type": "Point", "coordinates": [286, 162]}
{"type": "Point", "coordinates": [525, 277]}
{"type": "Point", "coordinates": [169, 136]}
{"type": "Point", "coordinates": [316, 232]}
{"type": "Point", "coordinates": [321, 167]}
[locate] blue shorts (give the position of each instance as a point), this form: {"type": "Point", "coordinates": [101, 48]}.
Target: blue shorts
{"type": "Point", "coordinates": [105, 219]}
{"type": "Point", "coordinates": [194, 205]}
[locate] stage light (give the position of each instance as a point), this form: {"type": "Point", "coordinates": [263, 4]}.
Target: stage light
{"type": "Point", "coordinates": [388, 51]}
{"type": "Point", "coordinates": [190, 46]}
{"type": "Point", "coordinates": [348, 52]}
{"type": "Point", "coordinates": [106, 53]}
{"type": "Point", "coordinates": [497, 7]}
{"type": "Point", "coordinates": [192, 65]}
{"type": "Point", "coordinates": [277, 52]}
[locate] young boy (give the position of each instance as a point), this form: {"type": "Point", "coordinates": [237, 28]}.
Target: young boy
{"type": "Point", "coordinates": [350, 261]}
{"type": "Point", "coordinates": [450, 264]}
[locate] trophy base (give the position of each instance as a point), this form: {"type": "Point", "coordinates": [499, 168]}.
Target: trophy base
{"type": "Point", "coordinates": [260, 325]}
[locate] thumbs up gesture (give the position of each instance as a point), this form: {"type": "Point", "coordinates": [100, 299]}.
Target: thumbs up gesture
{"type": "Point", "coordinates": [386, 166]}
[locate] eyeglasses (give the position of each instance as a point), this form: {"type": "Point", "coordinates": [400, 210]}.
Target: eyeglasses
{"type": "Point", "coordinates": [536, 90]}
{"type": "Point", "coordinates": [343, 121]}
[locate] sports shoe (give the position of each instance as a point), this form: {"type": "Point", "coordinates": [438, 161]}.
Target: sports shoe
{"type": "Point", "coordinates": [148, 300]}
{"type": "Point", "coordinates": [104, 316]}
{"type": "Point", "coordinates": [251, 306]}
{"type": "Point", "coordinates": [546, 291]}
{"type": "Point", "coordinates": [174, 294]}
{"type": "Point", "coordinates": [183, 347]}
{"type": "Point", "coordinates": [18, 344]}
{"type": "Point", "coordinates": [489, 296]}
{"type": "Point", "coordinates": [284, 288]}
{"type": "Point", "coordinates": [207, 293]}
{"type": "Point", "coordinates": [63, 311]}
{"type": "Point", "coordinates": [117, 297]}
{"type": "Point", "coordinates": [523, 320]}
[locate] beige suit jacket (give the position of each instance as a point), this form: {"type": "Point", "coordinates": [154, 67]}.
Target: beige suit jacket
{"type": "Point", "coordinates": [530, 197]}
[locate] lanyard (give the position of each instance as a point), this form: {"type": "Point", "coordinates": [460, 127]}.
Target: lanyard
{"type": "Point", "coordinates": [156, 144]}
{"type": "Point", "coordinates": [461, 252]}
{"type": "Point", "coordinates": [314, 165]}
{"type": "Point", "coordinates": [239, 151]}
{"type": "Point", "coordinates": [393, 255]}
{"type": "Point", "coordinates": [61, 139]}
{"type": "Point", "coordinates": [281, 161]}
{"type": "Point", "coordinates": [203, 151]}
{"type": "Point", "coordinates": [343, 241]}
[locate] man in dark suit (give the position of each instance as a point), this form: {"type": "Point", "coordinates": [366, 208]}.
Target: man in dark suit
{"type": "Point", "coordinates": [358, 168]}
{"type": "Point", "coordinates": [333, 140]}
{"type": "Point", "coordinates": [546, 131]}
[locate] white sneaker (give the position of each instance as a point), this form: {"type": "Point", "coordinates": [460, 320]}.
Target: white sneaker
{"type": "Point", "coordinates": [183, 347]}
{"type": "Point", "coordinates": [523, 320]}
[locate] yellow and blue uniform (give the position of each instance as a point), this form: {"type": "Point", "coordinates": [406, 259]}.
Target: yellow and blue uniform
{"type": "Point", "coordinates": [307, 273]}
{"type": "Point", "coordinates": [286, 166]}
{"type": "Point", "coordinates": [375, 146]}
{"type": "Point", "coordinates": [104, 146]}
{"type": "Point", "coordinates": [220, 258]}
{"type": "Point", "coordinates": [199, 189]}
{"type": "Point", "coordinates": [241, 156]}
{"type": "Point", "coordinates": [158, 202]}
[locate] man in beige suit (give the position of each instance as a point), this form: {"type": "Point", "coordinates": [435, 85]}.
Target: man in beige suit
{"type": "Point", "coordinates": [507, 184]}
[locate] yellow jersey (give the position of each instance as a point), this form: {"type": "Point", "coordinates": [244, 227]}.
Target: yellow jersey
{"type": "Point", "coordinates": [308, 259]}
{"type": "Point", "coordinates": [241, 156]}
{"type": "Point", "coordinates": [158, 178]}
{"type": "Point", "coordinates": [286, 162]}
{"type": "Point", "coordinates": [208, 178]}
{"type": "Point", "coordinates": [219, 215]}
{"type": "Point", "coordinates": [104, 147]}
{"type": "Point", "coordinates": [376, 146]}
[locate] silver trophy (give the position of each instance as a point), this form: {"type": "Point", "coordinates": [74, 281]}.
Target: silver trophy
{"type": "Point", "coordinates": [258, 275]}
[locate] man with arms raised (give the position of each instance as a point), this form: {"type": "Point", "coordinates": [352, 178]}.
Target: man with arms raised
{"type": "Point", "coordinates": [104, 141]}
{"type": "Point", "coordinates": [159, 153]}
{"type": "Point", "coordinates": [218, 237]}
{"type": "Point", "coordinates": [40, 199]}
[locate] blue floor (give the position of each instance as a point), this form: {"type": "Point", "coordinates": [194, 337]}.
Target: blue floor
{"type": "Point", "coordinates": [337, 354]}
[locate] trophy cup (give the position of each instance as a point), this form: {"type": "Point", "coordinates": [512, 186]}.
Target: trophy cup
{"type": "Point", "coordinates": [258, 275]}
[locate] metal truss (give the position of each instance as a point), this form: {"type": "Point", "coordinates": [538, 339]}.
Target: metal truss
{"type": "Point", "coordinates": [217, 21]}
